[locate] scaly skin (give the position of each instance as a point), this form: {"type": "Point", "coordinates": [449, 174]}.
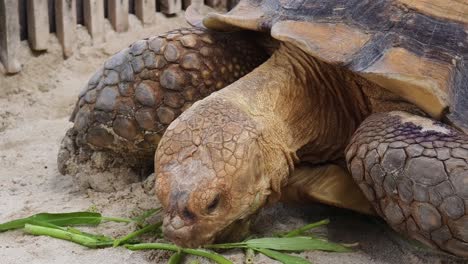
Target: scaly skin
{"type": "Point", "coordinates": [232, 152]}
{"type": "Point", "coordinates": [235, 151]}
{"type": "Point", "coordinates": [198, 160]}
{"type": "Point", "coordinates": [128, 103]}
{"type": "Point", "coordinates": [415, 173]}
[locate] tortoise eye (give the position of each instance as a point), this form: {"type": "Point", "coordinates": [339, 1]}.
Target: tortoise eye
{"type": "Point", "coordinates": [214, 204]}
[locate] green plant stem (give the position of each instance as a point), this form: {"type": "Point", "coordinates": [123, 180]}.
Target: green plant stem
{"type": "Point", "coordinates": [98, 237]}
{"type": "Point", "coordinates": [66, 235]}
{"type": "Point", "coordinates": [140, 220]}
{"type": "Point", "coordinates": [249, 256]}
{"type": "Point", "coordinates": [226, 245]}
{"type": "Point", "coordinates": [117, 219]}
{"type": "Point", "coordinates": [301, 230]}
{"type": "Point", "coordinates": [198, 252]}
{"type": "Point", "coordinates": [139, 232]}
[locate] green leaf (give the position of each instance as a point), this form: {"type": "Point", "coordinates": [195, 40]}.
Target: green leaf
{"type": "Point", "coordinates": [281, 257]}
{"type": "Point", "coordinates": [295, 244]}
{"type": "Point", "coordinates": [176, 258]}
{"type": "Point", "coordinates": [197, 252]}
{"type": "Point", "coordinates": [45, 224]}
{"type": "Point", "coordinates": [285, 244]}
{"type": "Point", "coordinates": [62, 219]}
{"type": "Point", "coordinates": [301, 230]}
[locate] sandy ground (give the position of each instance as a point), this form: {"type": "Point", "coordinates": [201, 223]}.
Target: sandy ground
{"type": "Point", "coordinates": [34, 110]}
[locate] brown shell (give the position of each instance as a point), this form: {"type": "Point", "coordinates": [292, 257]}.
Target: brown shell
{"type": "Point", "coordinates": [418, 49]}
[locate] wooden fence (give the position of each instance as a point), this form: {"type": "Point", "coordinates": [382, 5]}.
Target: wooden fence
{"type": "Point", "coordinates": [34, 20]}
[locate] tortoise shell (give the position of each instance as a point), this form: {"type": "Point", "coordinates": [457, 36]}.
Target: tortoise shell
{"type": "Point", "coordinates": [417, 49]}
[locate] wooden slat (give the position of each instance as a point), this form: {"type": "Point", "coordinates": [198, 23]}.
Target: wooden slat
{"type": "Point", "coordinates": [118, 14]}
{"type": "Point", "coordinates": [94, 19]}
{"type": "Point", "coordinates": [171, 7]}
{"type": "Point", "coordinates": [232, 4]}
{"type": "Point", "coordinates": [218, 4]}
{"type": "Point", "coordinates": [186, 3]}
{"type": "Point", "coordinates": [145, 10]}
{"type": "Point", "coordinates": [38, 24]}
{"type": "Point", "coordinates": [65, 21]}
{"type": "Point", "coordinates": [9, 35]}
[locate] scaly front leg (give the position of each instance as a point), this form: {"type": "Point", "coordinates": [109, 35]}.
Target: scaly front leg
{"type": "Point", "coordinates": [329, 184]}
{"type": "Point", "coordinates": [415, 172]}
{"type": "Point", "coordinates": [128, 103]}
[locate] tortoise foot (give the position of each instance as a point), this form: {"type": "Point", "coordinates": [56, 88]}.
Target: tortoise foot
{"type": "Point", "coordinates": [128, 103]}
{"type": "Point", "coordinates": [415, 173]}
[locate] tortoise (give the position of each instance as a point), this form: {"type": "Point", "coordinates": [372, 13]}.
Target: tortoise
{"type": "Point", "coordinates": [357, 104]}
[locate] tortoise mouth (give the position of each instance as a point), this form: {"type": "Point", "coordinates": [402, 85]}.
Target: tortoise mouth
{"type": "Point", "coordinates": [236, 231]}
{"type": "Point", "coordinates": [193, 236]}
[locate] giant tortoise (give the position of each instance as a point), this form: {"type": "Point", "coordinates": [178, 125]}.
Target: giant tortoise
{"type": "Point", "coordinates": [360, 104]}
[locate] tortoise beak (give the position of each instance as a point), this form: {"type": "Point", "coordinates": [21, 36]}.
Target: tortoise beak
{"type": "Point", "coordinates": [235, 232]}
{"type": "Point", "coordinates": [184, 234]}
{"type": "Point", "coordinates": [193, 235]}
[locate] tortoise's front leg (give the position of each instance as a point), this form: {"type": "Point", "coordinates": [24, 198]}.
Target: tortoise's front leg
{"type": "Point", "coordinates": [128, 103]}
{"type": "Point", "coordinates": [327, 183]}
{"type": "Point", "coordinates": [415, 172]}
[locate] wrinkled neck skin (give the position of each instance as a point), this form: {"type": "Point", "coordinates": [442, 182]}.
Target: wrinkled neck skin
{"type": "Point", "coordinates": [306, 110]}
{"type": "Point", "coordinates": [232, 152]}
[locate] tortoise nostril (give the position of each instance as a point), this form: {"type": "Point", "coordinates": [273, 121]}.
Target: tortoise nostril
{"type": "Point", "coordinates": [188, 215]}
{"type": "Point", "coordinates": [177, 222]}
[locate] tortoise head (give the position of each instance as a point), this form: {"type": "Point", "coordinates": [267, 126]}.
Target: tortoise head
{"type": "Point", "coordinates": [210, 176]}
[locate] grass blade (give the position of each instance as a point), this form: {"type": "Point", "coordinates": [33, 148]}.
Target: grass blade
{"type": "Point", "coordinates": [66, 235]}
{"type": "Point", "coordinates": [144, 230]}
{"type": "Point", "coordinates": [45, 224]}
{"type": "Point", "coordinates": [176, 258]}
{"type": "Point", "coordinates": [62, 219]}
{"type": "Point", "coordinates": [295, 244]}
{"type": "Point", "coordinates": [281, 257]}
{"type": "Point", "coordinates": [210, 255]}
{"type": "Point", "coordinates": [197, 252]}
{"type": "Point", "coordinates": [301, 230]}
{"type": "Point", "coordinates": [285, 244]}
{"type": "Point", "coordinates": [140, 220]}
{"type": "Point", "coordinates": [227, 245]}
{"type": "Point", "coordinates": [98, 237]}
{"type": "Point", "coordinates": [116, 219]}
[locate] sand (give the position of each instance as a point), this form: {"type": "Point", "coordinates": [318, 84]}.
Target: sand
{"type": "Point", "coordinates": [34, 110]}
